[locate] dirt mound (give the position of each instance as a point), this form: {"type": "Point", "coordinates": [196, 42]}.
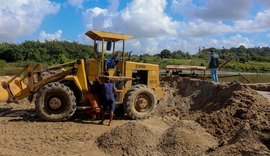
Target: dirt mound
{"type": "Point", "coordinates": [242, 106]}
{"type": "Point", "coordinates": [172, 106]}
{"type": "Point", "coordinates": [246, 142]}
{"type": "Point", "coordinates": [139, 138]}
{"type": "Point", "coordinates": [223, 109]}
{"type": "Point", "coordinates": [186, 138]}
{"type": "Point", "coordinates": [129, 139]}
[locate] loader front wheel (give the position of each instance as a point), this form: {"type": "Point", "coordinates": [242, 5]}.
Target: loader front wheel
{"type": "Point", "coordinates": [55, 102]}
{"type": "Point", "coordinates": [139, 102]}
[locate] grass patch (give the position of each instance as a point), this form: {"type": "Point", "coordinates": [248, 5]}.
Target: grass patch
{"type": "Point", "coordinates": [2, 64]}
{"type": "Point", "coordinates": [15, 67]}
{"type": "Point", "coordinates": [10, 70]}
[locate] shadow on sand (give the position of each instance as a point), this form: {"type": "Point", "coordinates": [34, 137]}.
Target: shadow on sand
{"type": "Point", "coordinates": [30, 115]}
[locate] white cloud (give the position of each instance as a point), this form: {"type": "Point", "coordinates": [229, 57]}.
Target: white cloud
{"type": "Point", "coordinates": [184, 7]}
{"type": "Point", "coordinates": [154, 30]}
{"type": "Point", "coordinates": [236, 41]}
{"type": "Point", "coordinates": [189, 44]}
{"type": "Point", "coordinates": [260, 23]}
{"type": "Point", "coordinates": [76, 3]}
{"type": "Point", "coordinates": [82, 38]}
{"type": "Point", "coordinates": [97, 11]}
{"type": "Point", "coordinates": [176, 4]}
{"type": "Point", "coordinates": [146, 19]}
{"type": "Point", "coordinates": [23, 17]}
{"type": "Point", "coordinates": [43, 36]}
{"type": "Point", "coordinates": [201, 28]}
{"type": "Point", "coordinates": [214, 13]}
{"type": "Point", "coordinates": [150, 45]}
{"type": "Point", "coordinates": [114, 5]}
{"type": "Point", "coordinates": [140, 18]}
{"type": "Point", "coordinates": [224, 9]}
{"type": "Point", "coordinates": [192, 44]}
{"type": "Point", "coordinates": [95, 17]}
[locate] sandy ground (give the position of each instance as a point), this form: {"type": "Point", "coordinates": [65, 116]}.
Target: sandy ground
{"type": "Point", "coordinates": [22, 133]}
{"type": "Point", "coordinates": [194, 118]}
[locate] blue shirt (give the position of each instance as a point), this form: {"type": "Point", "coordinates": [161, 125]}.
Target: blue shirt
{"type": "Point", "coordinates": [107, 89]}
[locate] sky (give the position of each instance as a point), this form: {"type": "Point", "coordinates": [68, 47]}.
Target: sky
{"type": "Point", "coordinates": [185, 25]}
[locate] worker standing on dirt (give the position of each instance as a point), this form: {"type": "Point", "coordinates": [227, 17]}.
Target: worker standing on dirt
{"type": "Point", "coordinates": [107, 100]}
{"type": "Point", "coordinates": [213, 66]}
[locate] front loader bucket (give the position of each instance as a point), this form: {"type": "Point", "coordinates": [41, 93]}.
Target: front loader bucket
{"type": "Point", "coordinates": [30, 80]}
{"type": "Point", "coordinates": [4, 93]}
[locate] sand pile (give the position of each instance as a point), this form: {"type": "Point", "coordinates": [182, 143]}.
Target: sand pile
{"type": "Point", "coordinates": [172, 106]}
{"type": "Point", "coordinates": [128, 139]}
{"type": "Point", "coordinates": [186, 138]}
{"type": "Point", "coordinates": [134, 138]}
{"type": "Point", "coordinates": [234, 113]}
{"type": "Point", "coordinates": [246, 142]}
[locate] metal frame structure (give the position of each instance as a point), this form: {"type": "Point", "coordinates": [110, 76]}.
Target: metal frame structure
{"type": "Point", "coordinates": [105, 37]}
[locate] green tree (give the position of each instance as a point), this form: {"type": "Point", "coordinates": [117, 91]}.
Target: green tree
{"type": "Point", "coordinates": [165, 53]}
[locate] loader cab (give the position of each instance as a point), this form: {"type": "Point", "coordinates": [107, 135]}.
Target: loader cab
{"type": "Point", "coordinates": [108, 41]}
{"type": "Point", "coordinates": [112, 67]}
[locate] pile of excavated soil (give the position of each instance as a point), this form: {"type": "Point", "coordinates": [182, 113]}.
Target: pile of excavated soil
{"type": "Point", "coordinates": [128, 139]}
{"type": "Point", "coordinates": [237, 115]}
{"type": "Point", "coordinates": [186, 137]}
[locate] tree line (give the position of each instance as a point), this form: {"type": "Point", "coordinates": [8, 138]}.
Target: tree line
{"type": "Point", "coordinates": [56, 52]}
{"type": "Point", "coordinates": [240, 54]}
{"type": "Point", "coordinates": [50, 52]}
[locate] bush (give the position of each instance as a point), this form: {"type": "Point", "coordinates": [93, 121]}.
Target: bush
{"type": "Point", "coordinates": [2, 63]}
{"type": "Point", "coordinates": [62, 58]}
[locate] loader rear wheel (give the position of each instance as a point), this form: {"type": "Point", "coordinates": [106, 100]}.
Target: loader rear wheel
{"type": "Point", "coordinates": [139, 102]}
{"type": "Point", "coordinates": [55, 102]}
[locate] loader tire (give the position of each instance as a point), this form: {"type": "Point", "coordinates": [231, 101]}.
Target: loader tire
{"type": "Point", "coordinates": [139, 102]}
{"type": "Point", "coordinates": [55, 102]}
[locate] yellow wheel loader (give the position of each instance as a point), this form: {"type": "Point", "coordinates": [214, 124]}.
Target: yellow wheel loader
{"type": "Point", "coordinates": [59, 90]}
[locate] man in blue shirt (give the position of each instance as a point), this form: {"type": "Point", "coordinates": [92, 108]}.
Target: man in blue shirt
{"type": "Point", "coordinates": [108, 89]}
